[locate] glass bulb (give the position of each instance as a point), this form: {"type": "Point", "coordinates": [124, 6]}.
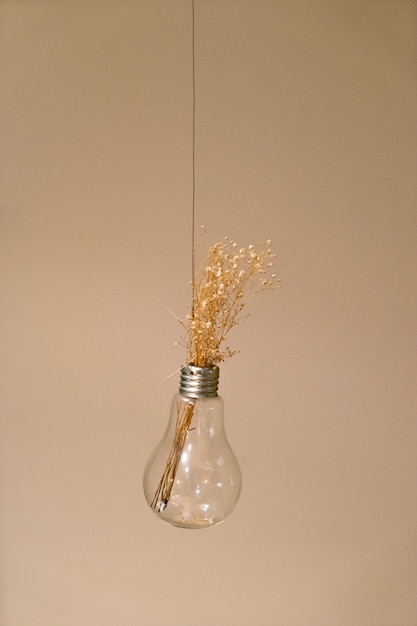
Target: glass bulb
{"type": "Point", "coordinates": [193, 479]}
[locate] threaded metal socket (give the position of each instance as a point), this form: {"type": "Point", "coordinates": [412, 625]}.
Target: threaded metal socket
{"type": "Point", "coordinates": [199, 382]}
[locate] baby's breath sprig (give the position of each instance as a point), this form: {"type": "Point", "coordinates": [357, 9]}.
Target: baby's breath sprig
{"type": "Point", "coordinates": [224, 284]}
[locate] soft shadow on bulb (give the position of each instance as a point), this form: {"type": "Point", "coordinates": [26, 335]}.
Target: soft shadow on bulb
{"type": "Point", "coordinates": [193, 479]}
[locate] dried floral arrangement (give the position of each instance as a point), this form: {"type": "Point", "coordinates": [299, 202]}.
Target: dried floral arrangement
{"type": "Point", "coordinates": [224, 284]}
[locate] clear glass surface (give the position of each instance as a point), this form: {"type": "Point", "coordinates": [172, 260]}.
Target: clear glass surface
{"type": "Point", "coordinates": [207, 481]}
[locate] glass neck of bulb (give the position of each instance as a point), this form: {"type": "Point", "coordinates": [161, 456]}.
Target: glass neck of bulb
{"type": "Point", "coordinates": [199, 382]}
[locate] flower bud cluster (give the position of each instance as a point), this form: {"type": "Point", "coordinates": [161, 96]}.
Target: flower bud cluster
{"type": "Point", "coordinates": [229, 278]}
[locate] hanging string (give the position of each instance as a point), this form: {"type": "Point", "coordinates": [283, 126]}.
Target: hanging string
{"type": "Point", "coordinates": [193, 159]}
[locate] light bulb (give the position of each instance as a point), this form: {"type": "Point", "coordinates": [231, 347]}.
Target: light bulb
{"type": "Point", "coordinates": [193, 479]}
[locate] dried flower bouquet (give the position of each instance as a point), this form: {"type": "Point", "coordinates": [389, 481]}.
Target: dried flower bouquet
{"type": "Point", "coordinates": [226, 282]}
{"type": "Point", "coordinates": [223, 285]}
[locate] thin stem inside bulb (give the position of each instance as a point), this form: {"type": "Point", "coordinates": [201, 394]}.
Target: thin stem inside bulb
{"type": "Point", "coordinates": [162, 495]}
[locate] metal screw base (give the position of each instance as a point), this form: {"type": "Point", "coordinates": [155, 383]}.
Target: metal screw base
{"type": "Point", "coordinates": [199, 382]}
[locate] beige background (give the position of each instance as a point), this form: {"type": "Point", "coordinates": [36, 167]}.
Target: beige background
{"type": "Point", "coordinates": [306, 133]}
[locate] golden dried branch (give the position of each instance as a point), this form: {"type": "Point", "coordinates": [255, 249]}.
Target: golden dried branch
{"type": "Point", "coordinates": [163, 492]}
{"type": "Point", "coordinates": [230, 277]}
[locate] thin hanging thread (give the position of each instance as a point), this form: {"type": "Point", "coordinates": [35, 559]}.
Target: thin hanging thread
{"type": "Point", "coordinates": [193, 161]}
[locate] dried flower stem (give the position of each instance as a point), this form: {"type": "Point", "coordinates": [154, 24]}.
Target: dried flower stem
{"type": "Point", "coordinates": [223, 286]}
{"type": "Point", "coordinates": [163, 492]}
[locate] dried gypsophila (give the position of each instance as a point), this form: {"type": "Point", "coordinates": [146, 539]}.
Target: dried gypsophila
{"type": "Point", "coordinates": [229, 278]}
{"type": "Point", "coordinates": [225, 283]}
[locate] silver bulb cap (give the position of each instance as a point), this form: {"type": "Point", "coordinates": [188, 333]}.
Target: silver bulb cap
{"type": "Point", "coordinates": [199, 382]}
